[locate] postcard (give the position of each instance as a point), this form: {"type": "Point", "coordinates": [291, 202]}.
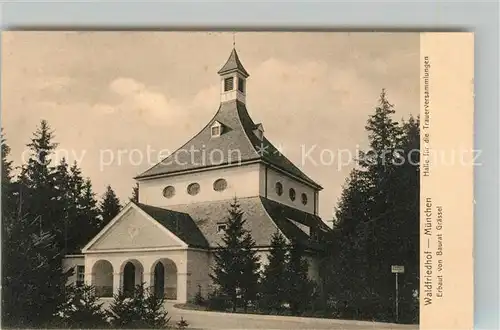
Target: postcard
{"type": "Point", "coordinates": [237, 179]}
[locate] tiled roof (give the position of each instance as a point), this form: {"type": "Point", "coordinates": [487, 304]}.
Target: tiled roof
{"type": "Point", "coordinates": [263, 218]}
{"type": "Point", "coordinates": [178, 223]}
{"type": "Point", "coordinates": [237, 134]}
{"type": "Point", "coordinates": [233, 63]}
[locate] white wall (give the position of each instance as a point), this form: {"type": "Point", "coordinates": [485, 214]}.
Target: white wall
{"type": "Point", "coordinates": [274, 176]}
{"type": "Point", "coordinates": [242, 181]}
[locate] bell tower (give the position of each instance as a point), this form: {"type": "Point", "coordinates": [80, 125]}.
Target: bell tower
{"type": "Point", "coordinates": [233, 79]}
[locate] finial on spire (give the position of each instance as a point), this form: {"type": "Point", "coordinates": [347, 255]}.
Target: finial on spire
{"type": "Point", "coordinates": [234, 39]}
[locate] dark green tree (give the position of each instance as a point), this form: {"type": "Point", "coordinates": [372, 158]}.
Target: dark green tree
{"type": "Point", "coordinates": [123, 312]}
{"type": "Point", "coordinates": [273, 287]}
{"type": "Point", "coordinates": [82, 308]}
{"type": "Point", "coordinates": [109, 206]}
{"type": "Point", "coordinates": [377, 222]}
{"type": "Point", "coordinates": [142, 309]}
{"type": "Point", "coordinates": [8, 197]}
{"type": "Point", "coordinates": [236, 263]}
{"type": "Point", "coordinates": [36, 183]}
{"type": "Point", "coordinates": [65, 203]}
{"type": "Point", "coordinates": [89, 213]}
{"type": "Point", "coordinates": [32, 276]}
{"type": "Point", "coordinates": [299, 286]}
{"type": "Point", "coordinates": [154, 314]}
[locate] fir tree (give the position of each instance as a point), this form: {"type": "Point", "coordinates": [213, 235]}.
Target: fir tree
{"type": "Point", "coordinates": [33, 278]}
{"type": "Point", "coordinates": [154, 315]}
{"type": "Point", "coordinates": [109, 206]}
{"type": "Point", "coordinates": [65, 203]}
{"type": "Point", "coordinates": [299, 287]}
{"type": "Point", "coordinates": [142, 309]}
{"type": "Point", "coordinates": [273, 287]}
{"type": "Point", "coordinates": [377, 222]}
{"type": "Point", "coordinates": [122, 312]}
{"type": "Point", "coordinates": [36, 182]}
{"type": "Point", "coordinates": [82, 308]}
{"type": "Point", "coordinates": [8, 206]}
{"type": "Point", "coordinates": [236, 263]}
{"type": "Point", "coordinates": [8, 201]}
{"type": "Point", "coordinates": [89, 212]}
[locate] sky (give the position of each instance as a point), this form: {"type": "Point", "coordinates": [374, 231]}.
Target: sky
{"type": "Point", "coordinates": [120, 101]}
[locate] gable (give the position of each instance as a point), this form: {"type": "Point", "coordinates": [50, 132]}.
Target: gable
{"type": "Point", "coordinates": [134, 230]}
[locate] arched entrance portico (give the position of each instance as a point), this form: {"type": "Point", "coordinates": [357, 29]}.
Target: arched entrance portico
{"type": "Point", "coordinates": [164, 278]}
{"type": "Point", "coordinates": [102, 278]}
{"type": "Point", "coordinates": [132, 275]}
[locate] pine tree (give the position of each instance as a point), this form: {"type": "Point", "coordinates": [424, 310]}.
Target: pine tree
{"type": "Point", "coordinates": [82, 308]}
{"type": "Point", "coordinates": [236, 263]}
{"type": "Point", "coordinates": [135, 193]}
{"type": "Point", "coordinates": [377, 221]}
{"type": "Point", "coordinates": [251, 275]}
{"type": "Point", "coordinates": [8, 201]}
{"type": "Point", "coordinates": [89, 213]}
{"type": "Point", "coordinates": [122, 312]}
{"type": "Point", "coordinates": [65, 203]}
{"type": "Point", "coordinates": [109, 206]}
{"type": "Point", "coordinates": [273, 287]}
{"type": "Point", "coordinates": [143, 309]}
{"type": "Point", "coordinates": [299, 287]}
{"type": "Point", "coordinates": [154, 315]}
{"type": "Point", "coordinates": [36, 182]}
{"type": "Point", "coordinates": [33, 278]}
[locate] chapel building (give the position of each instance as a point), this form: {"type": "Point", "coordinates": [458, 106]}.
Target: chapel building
{"type": "Point", "coordinates": [166, 240]}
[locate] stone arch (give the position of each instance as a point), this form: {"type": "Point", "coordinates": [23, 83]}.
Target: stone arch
{"type": "Point", "coordinates": [102, 278]}
{"type": "Point", "coordinates": [164, 278]}
{"type": "Point", "coordinates": [132, 274]}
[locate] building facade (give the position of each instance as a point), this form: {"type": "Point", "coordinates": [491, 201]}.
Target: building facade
{"type": "Point", "coordinates": [166, 240]}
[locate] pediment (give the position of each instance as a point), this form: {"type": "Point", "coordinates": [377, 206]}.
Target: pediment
{"type": "Point", "coordinates": [134, 229]}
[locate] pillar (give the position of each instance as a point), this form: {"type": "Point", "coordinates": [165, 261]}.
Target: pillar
{"type": "Point", "coordinates": [116, 282]}
{"type": "Point", "coordinates": [148, 280]}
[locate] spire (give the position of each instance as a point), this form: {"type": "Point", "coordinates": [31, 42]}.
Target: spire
{"type": "Point", "coordinates": [233, 64]}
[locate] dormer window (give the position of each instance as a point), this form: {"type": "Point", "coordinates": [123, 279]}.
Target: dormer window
{"type": "Point", "coordinates": [216, 129]}
{"type": "Point", "coordinates": [241, 85]}
{"type": "Point", "coordinates": [221, 228]}
{"type": "Point", "coordinates": [228, 84]}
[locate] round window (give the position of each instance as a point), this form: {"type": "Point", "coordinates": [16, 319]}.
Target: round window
{"type": "Point", "coordinates": [279, 188]}
{"type": "Point", "coordinates": [304, 198]}
{"type": "Point", "coordinates": [291, 192]}
{"type": "Point", "coordinates": [169, 192]}
{"type": "Point", "coordinates": [220, 185]}
{"type": "Point", "coordinates": [193, 189]}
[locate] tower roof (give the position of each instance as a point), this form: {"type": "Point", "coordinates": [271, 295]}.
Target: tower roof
{"type": "Point", "coordinates": [237, 134]}
{"type": "Point", "coordinates": [233, 64]}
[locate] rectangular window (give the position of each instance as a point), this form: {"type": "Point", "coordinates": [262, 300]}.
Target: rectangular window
{"type": "Point", "coordinates": [216, 131]}
{"type": "Point", "coordinates": [241, 85]}
{"type": "Point", "coordinates": [80, 275]}
{"type": "Point", "coordinates": [228, 84]}
{"type": "Point", "coordinates": [221, 228]}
